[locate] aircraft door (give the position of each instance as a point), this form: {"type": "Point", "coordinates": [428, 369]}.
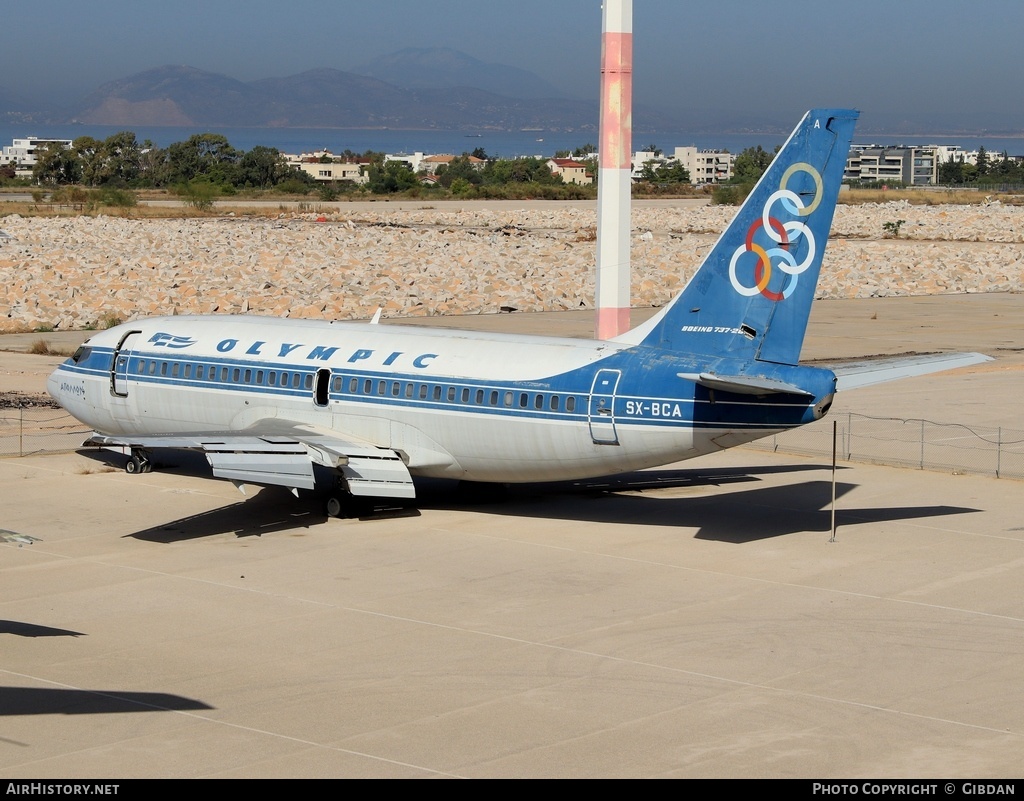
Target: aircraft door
{"type": "Point", "coordinates": [119, 365]}
{"type": "Point", "coordinates": [601, 412]}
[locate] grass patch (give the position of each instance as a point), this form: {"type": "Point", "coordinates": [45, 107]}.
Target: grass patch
{"type": "Point", "coordinates": [43, 348]}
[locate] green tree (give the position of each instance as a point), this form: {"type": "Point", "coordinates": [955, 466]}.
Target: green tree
{"type": "Point", "coordinates": [207, 155]}
{"type": "Point", "coordinates": [56, 165]}
{"type": "Point", "coordinates": [983, 162]}
{"type": "Point", "coordinates": [390, 177]}
{"type": "Point", "coordinates": [459, 168]}
{"type": "Point", "coordinates": [520, 171]}
{"type": "Point", "coordinates": [89, 152]}
{"type": "Point", "coordinates": [751, 164]}
{"type": "Point", "coordinates": [951, 171]}
{"type": "Point", "coordinates": [669, 172]}
{"type": "Point", "coordinates": [122, 158]}
{"type": "Point", "coordinates": [263, 167]}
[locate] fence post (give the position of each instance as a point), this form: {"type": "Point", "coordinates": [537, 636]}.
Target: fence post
{"type": "Point", "coordinates": [21, 431]}
{"type": "Point", "coordinates": [999, 449]}
{"type": "Point", "coordinates": [849, 436]}
{"type": "Point", "coordinates": [922, 444]}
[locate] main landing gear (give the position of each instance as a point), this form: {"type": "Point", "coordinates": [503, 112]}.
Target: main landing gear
{"type": "Point", "coordinates": [139, 463]}
{"type": "Point", "coordinates": [340, 502]}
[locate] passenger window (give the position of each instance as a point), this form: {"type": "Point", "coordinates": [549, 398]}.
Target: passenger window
{"type": "Point", "coordinates": [382, 387]}
{"type": "Point", "coordinates": [494, 397]}
{"type": "Point", "coordinates": [479, 397]}
{"type": "Point", "coordinates": [423, 391]}
{"type": "Point", "coordinates": [437, 392]}
{"type": "Point", "coordinates": [451, 393]}
{"type": "Point", "coordinates": [188, 371]}
{"type": "Point", "coordinates": [297, 377]}
{"type": "Point", "coordinates": [396, 388]}
{"type": "Point", "coordinates": [236, 375]}
{"type": "Point", "coordinates": [152, 368]}
{"type": "Point", "coordinates": [259, 376]}
{"type": "Point", "coordinates": [353, 385]}
{"type": "Point", "coordinates": [538, 402]}
{"type": "Point", "coordinates": [200, 370]}
{"type": "Point", "coordinates": [224, 374]}
{"type": "Point", "coordinates": [554, 403]}
{"type": "Point", "coordinates": [272, 378]}
{"type": "Point", "coordinates": [408, 390]}
{"type": "Point", "coordinates": [175, 369]}
{"type": "Point", "coordinates": [367, 386]}
{"type": "Point", "coordinates": [570, 403]}
{"type": "Point", "coordinates": [308, 381]}
{"type": "Point", "coordinates": [336, 383]}
{"type": "Point", "coordinates": [508, 398]}
{"type": "Point", "coordinates": [141, 366]}
{"type": "Point", "coordinates": [163, 368]}
{"type": "Point", "coordinates": [248, 377]}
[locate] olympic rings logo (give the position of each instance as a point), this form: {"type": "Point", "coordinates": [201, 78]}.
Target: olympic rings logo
{"type": "Point", "coordinates": [782, 235]}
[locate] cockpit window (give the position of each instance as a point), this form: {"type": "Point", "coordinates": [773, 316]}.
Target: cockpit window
{"type": "Point", "coordinates": [82, 354]}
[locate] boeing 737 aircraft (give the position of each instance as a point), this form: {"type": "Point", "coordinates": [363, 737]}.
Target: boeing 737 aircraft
{"type": "Point", "coordinates": [268, 399]}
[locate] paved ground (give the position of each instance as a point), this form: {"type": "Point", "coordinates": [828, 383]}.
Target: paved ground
{"type": "Point", "coordinates": [689, 621]}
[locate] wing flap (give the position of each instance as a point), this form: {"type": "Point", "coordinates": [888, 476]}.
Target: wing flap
{"type": "Point", "coordinates": [286, 461]}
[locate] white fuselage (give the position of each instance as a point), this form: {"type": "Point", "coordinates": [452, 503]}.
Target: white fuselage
{"type": "Point", "coordinates": [484, 407]}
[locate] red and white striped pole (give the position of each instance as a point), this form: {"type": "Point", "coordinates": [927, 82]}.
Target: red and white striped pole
{"type": "Point", "coordinates": [614, 176]}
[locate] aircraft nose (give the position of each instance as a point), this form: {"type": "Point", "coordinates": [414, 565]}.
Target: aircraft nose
{"type": "Point", "coordinates": [53, 385]}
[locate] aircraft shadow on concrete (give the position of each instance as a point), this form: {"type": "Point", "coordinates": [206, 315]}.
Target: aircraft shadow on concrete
{"type": "Point", "coordinates": [21, 629]}
{"type": "Point", "coordinates": [55, 701]}
{"type": "Point", "coordinates": [669, 497]}
{"type": "Point", "coordinates": [734, 516]}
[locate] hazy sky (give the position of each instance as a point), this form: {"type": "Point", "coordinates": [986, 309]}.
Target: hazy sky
{"type": "Point", "coordinates": [886, 57]}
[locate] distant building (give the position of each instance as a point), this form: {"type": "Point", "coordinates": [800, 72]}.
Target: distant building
{"type": "Point", "coordinates": [414, 160]}
{"type": "Point", "coordinates": [322, 165]}
{"type": "Point", "coordinates": [22, 153]}
{"type": "Point", "coordinates": [572, 171]}
{"type": "Point", "coordinates": [431, 164]}
{"type": "Point", "coordinates": [910, 165]}
{"type": "Point", "coordinates": [705, 166]}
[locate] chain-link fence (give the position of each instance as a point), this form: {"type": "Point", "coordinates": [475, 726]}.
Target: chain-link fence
{"type": "Point", "coordinates": [923, 444]}
{"type": "Point", "coordinates": [27, 430]}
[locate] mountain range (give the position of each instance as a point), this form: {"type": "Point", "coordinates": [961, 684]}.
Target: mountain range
{"type": "Point", "coordinates": [419, 88]}
{"type": "Point", "coordinates": [415, 88]}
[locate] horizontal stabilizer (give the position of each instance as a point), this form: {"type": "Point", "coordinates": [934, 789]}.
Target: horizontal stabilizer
{"type": "Point", "coordinates": [878, 371]}
{"type": "Point", "coordinates": [745, 384]}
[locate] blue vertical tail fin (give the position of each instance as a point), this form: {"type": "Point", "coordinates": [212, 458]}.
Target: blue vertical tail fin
{"type": "Point", "coordinates": [751, 296]}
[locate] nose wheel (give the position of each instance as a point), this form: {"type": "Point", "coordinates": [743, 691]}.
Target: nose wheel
{"type": "Point", "coordinates": [139, 463]}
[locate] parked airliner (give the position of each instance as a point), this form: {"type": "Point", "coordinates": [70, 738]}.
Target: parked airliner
{"type": "Point", "coordinates": [267, 399]}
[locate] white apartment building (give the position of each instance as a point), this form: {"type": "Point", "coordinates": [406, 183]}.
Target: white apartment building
{"type": "Point", "coordinates": [911, 165]}
{"type": "Point", "coordinates": [705, 166]}
{"type": "Point", "coordinates": [322, 165]}
{"type": "Point", "coordinates": [22, 153]}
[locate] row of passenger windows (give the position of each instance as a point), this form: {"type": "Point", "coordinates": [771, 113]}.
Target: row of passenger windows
{"type": "Point", "coordinates": [358, 386]}
{"type": "Point", "coordinates": [235, 375]}
{"type": "Point", "coordinates": [440, 392]}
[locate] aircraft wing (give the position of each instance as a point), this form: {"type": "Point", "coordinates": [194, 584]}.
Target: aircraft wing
{"type": "Point", "coordinates": [285, 459]}
{"type": "Point", "coordinates": [876, 371]}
